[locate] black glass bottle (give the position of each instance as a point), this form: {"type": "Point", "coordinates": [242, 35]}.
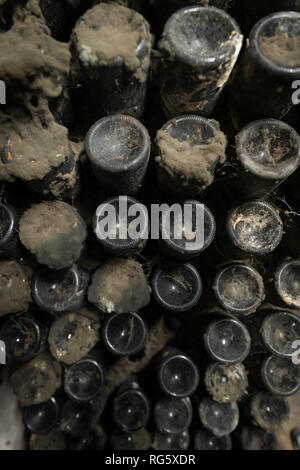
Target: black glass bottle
{"type": "Point", "coordinates": [131, 407]}
{"type": "Point", "coordinates": [8, 229]}
{"type": "Point", "coordinates": [177, 287]}
{"type": "Point", "coordinates": [125, 232]}
{"type": "Point", "coordinates": [268, 152]}
{"type": "Point", "coordinates": [238, 288]}
{"type": "Point", "coordinates": [287, 282]}
{"type": "Point", "coordinates": [189, 150]}
{"type": "Point", "coordinates": [59, 291]}
{"type": "Point", "coordinates": [173, 415]}
{"type": "Point", "coordinates": [118, 147]}
{"type": "Point", "coordinates": [280, 375]}
{"type": "Point", "coordinates": [254, 438]}
{"type": "Point", "coordinates": [75, 418]}
{"type": "Point", "coordinates": [164, 441]}
{"type": "Point", "coordinates": [227, 339]}
{"type": "Point", "coordinates": [254, 228]}
{"type": "Point", "coordinates": [124, 334]}
{"type": "Point", "coordinates": [137, 440]}
{"type": "Point", "coordinates": [85, 379]}
{"type": "Point", "coordinates": [178, 375]}
{"type": "Point", "coordinates": [279, 332]}
{"type": "Point", "coordinates": [188, 234]}
{"type": "Point", "coordinates": [262, 87]}
{"type": "Point", "coordinates": [205, 440]}
{"type": "Point", "coordinates": [40, 419]}
{"type": "Point", "coordinates": [200, 47]}
{"type": "Point", "coordinates": [219, 418]}
{"type": "Point", "coordinates": [25, 336]}
{"type": "Point", "coordinates": [269, 411]}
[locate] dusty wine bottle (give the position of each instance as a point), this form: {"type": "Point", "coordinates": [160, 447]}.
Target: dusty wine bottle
{"type": "Point", "coordinates": [218, 418]}
{"type": "Point", "coordinates": [127, 231]}
{"type": "Point", "coordinates": [254, 228]}
{"type": "Point", "coordinates": [75, 418]}
{"type": "Point", "coordinates": [25, 336]}
{"type": "Point", "coordinates": [8, 229]}
{"type": "Point", "coordinates": [84, 380]}
{"type": "Point", "coordinates": [131, 407]}
{"type": "Point", "coordinates": [177, 287]}
{"type": "Point", "coordinates": [189, 149]}
{"type": "Point", "coordinates": [287, 282]}
{"type": "Point", "coordinates": [173, 415]}
{"type": "Point", "coordinates": [227, 339]}
{"type": "Point", "coordinates": [54, 232]}
{"type": "Point", "coordinates": [163, 441]}
{"type": "Point", "coordinates": [262, 87]}
{"type": "Point", "coordinates": [269, 411]}
{"type": "Point", "coordinates": [200, 47]}
{"type": "Point", "coordinates": [42, 418]}
{"type": "Point", "coordinates": [254, 438]}
{"type": "Point", "coordinates": [279, 331]}
{"type": "Point", "coordinates": [111, 47]}
{"type": "Point", "coordinates": [195, 234]}
{"type": "Point", "coordinates": [295, 436]}
{"type": "Point", "coordinates": [178, 375]}
{"type": "Point", "coordinates": [124, 334]}
{"type": "Point", "coordinates": [226, 383]}
{"type": "Point", "coordinates": [238, 288]}
{"type": "Point", "coordinates": [118, 148]}
{"type": "Point", "coordinates": [205, 440]}
{"type": "Point", "coordinates": [280, 375]}
{"type": "Point", "coordinates": [59, 291]}
{"type": "Point", "coordinates": [269, 152]}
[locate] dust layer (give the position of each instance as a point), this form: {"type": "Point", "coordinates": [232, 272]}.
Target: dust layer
{"type": "Point", "coordinates": [119, 285]}
{"type": "Point", "coordinates": [226, 383]}
{"type": "Point", "coordinates": [192, 163]}
{"type": "Point", "coordinates": [73, 335]}
{"type": "Point", "coordinates": [37, 380]}
{"type": "Point", "coordinates": [15, 292]}
{"type": "Point", "coordinates": [54, 232]}
{"type": "Point", "coordinates": [281, 49]}
{"type": "Point", "coordinates": [108, 31]}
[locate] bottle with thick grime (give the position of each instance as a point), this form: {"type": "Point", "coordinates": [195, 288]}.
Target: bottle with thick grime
{"type": "Point", "coordinates": [200, 46]}
{"type": "Point", "coordinates": [59, 290]}
{"type": "Point", "coordinates": [111, 47]}
{"type": "Point", "coordinates": [262, 87]}
{"type": "Point", "coordinates": [268, 152]}
{"type": "Point", "coordinates": [254, 228]}
{"type": "Point", "coordinates": [124, 334]}
{"type": "Point", "coordinates": [118, 148]}
{"type": "Point", "coordinates": [121, 225]}
{"type": "Point", "coordinates": [186, 230]}
{"type": "Point", "coordinates": [238, 288]}
{"type": "Point", "coordinates": [254, 10]}
{"type": "Point", "coordinates": [177, 287]}
{"type": "Point", "coordinates": [131, 407]}
{"type": "Point", "coordinates": [189, 150]}
{"type": "Point", "coordinates": [178, 375]}
{"type": "Point", "coordinates": [226, 383]}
